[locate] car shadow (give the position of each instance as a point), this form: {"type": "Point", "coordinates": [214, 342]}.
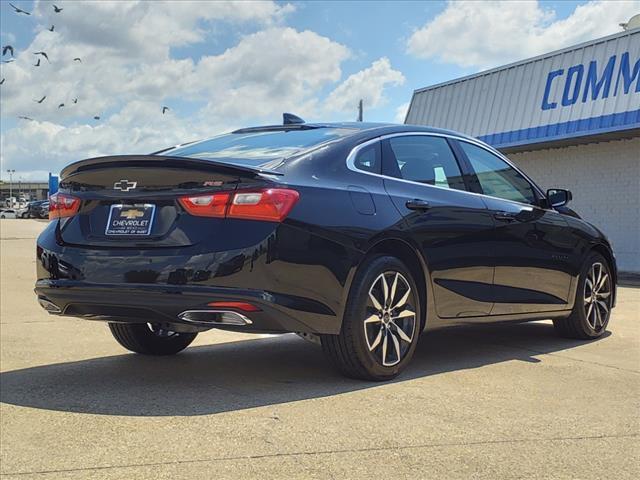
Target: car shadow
{"type": "Point", "coordinates": [239, 375]}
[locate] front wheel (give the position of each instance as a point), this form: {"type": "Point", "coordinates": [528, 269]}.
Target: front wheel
{"type": "Point", "coordinates": [592, 308]}
{"type": "Point", "coordinates": [380, 327]}
{"type": "Point", "coordinates": [150, 339]}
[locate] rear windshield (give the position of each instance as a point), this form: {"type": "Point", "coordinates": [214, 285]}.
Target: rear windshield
{"type": "Point", "coordinates": [259, 148]}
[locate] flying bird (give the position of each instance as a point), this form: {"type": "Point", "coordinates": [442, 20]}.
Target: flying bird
{"type": "Point", "coordinates": [18, 10]}
{"type": "Point", "coordinates": [1, 81]}
{"type": "Point", "coordinates": [77, 59]}
{"type": "Point", "coordinates": [44, 54]}
{"type": "Point", "coordinates": [75, 100]}
{"type": "Point", "coordinates": [37, 64]}
{"type": "Point", "coordinates": [22, 117]}
{"type": "Point", "coordinates": [7, 48]}
{"type": "Point", "coordinates": [57, 9]}
{"type": "Point", "coordinates": [52, 28]}
{"type": "Point", "coordinates": [61, 105]}
{"type": "Point", "coordinates": [164, 109]}
{"type": "Point", "coordinates": [41, 100]}
{"type": "Point", "coordinates": [96, 117]}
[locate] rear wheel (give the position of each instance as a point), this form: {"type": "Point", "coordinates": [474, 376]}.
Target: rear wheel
{"type": "Point", "coordinates": [592, 308]}
{"type": "Point", "coordinates": [380, 327]}
{"type": "Point", "coordinates": [150, 339]}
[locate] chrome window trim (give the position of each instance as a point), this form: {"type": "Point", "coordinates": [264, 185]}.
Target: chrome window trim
{"type": "Point", "coordinates": [354, 152]}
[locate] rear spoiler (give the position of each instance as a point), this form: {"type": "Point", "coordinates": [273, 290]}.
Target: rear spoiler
{"type": "Point", "coordinates": [162, 161]}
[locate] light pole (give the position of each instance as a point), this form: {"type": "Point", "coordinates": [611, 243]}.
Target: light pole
{"type": "Point", "coordinates": [11, 172]}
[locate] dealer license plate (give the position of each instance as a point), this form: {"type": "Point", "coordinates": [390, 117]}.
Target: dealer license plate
{"type": "Point", "coordinates": [135, 220]}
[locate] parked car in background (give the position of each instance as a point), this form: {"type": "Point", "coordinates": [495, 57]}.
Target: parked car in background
{"type": "Point", "coordinates": [360, 235]}
{"type": "Point", "coordinates": [44, 210]}
{"type": "Point", "coordinates": [8, 213]}
{"type": "Point", "coordinates": [33, 209]}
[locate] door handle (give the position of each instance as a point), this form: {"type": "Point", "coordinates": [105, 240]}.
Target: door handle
{"type": "Point", "coordinates": [505, 216]}
{"type": "Point", "coordinates": [417, 204]}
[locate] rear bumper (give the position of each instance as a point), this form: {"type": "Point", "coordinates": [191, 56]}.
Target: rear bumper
{"type": "Point", "coordinates": [139, 303]}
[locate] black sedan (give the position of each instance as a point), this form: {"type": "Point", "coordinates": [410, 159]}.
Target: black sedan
{"type": "Point", "coordinates": [361, 236]}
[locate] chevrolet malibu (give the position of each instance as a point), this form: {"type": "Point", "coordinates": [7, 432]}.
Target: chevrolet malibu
{"type": "Point", "coordinates": [359, 236]}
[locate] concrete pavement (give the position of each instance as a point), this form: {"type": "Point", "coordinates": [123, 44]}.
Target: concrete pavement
{"type": "Point", "coordinates": [484, 402]}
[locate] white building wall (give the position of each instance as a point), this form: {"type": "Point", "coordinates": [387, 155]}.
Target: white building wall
{"type": "Point", "coordinates": [605, 181]}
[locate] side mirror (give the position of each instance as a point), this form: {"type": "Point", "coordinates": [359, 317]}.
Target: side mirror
{"type": "Point", "coordinates": [558, 197]}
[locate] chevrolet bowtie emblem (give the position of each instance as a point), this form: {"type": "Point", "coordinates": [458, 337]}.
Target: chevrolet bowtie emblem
{"type": "Point", "coordinates": [125, 185]}
{"type": "Point", "coordinates": [132, 214]}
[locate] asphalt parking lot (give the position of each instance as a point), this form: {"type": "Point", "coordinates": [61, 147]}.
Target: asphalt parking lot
{"type": "Point", "coordinates": [484, 402]}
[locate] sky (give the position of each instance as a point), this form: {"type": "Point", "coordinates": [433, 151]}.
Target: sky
{"type": "Point", "coordinates": [222, 65]}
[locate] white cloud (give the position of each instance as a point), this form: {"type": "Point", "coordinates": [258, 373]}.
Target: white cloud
{"type": "Point", "coordinates": [128, 72]}
{"type": "Point", "coordinates": [490, 33]}
{"type": "Point", "coordinates": [401, 112]}
{"type": "Point", "coordinates": [367, 84]}
{"type": "Point", "coordinates": [126, 82]}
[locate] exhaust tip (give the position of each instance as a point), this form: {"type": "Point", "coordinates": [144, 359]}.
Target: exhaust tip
{"type": "Point", "coordinates": [214, 317]}
{"type": "Point", "coordinates": [49, 306]}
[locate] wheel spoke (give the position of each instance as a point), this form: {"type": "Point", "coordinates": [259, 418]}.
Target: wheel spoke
{"type": "Point", "coordinates": [384, 348]}
{"type": "Point", "coordinates": [374, 300]}
{"type": "Point", "coordinates": [589, 311]}
{"type": "Point", "coordinates": [605, 307]}
{"type": "Point", "coordinates": [385, 290]}
{"type": "Point", "coordinates": [598, 317]}
{"type": "Point", "coordinates": [376, 342]}
{"type": "Point", "coordinates": [603, 294]}
{"type": "Point", "coordinates": [588, 284]}
{"type": "Point", "coordinates": [396, 344]}
{"type": "Point", "coordinates": [403, 300]}
{"type": "Point", "coordinates": [404, 314]}
{"type": "Point", "coordinates": [393, 288]}
{"type": "Point", "coordinates": [402, 334]}
{"type": "Point", "coordinates": [602, 282]}
{"type": "Point", "coordinates": [373, 319]}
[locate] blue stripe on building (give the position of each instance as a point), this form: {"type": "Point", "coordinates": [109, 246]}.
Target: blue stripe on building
{"type": "Point", "coordinates": [559, 131]}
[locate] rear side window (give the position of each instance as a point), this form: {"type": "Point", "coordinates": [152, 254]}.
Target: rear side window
{"type": "Point", "coordinates": [424, 159]}
{"type": "Point", "coordinates": [368, 158]}
{"type": "Point", "coordinates": [496, 177]}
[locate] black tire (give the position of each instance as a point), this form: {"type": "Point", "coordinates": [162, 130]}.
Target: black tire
{"type": "Point", "coordinates": [148, 340]}
{"type": "Point", "coordinates": [357, 351]}
{"type": "Point", "coordinates": [592, 308]}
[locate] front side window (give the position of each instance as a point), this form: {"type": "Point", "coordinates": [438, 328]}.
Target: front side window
{"type": "Point", "coordinates": [424, 159]}
{"type": "Point", "coordinates": [496, 177]}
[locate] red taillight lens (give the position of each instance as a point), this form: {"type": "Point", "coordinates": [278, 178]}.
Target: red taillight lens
{"type": "Point", "coordinates": [268, 205]}
{"type": "Point", "coordinates": [271, 205]}
{"type": "Point", "coordinates": [214, 205]}
{"type": "Point", "coordinates": [245, 307]}
{"type": "Point", "coordinates": [62, 205]}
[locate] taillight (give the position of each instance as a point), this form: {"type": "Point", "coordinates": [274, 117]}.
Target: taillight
{"type": "Point", "coordinates": [62, 205]}
{"type": "Point", "coordinates": [206, 205]}
{"type": "Point", "coordinates": [271, 205]}
{"type": "Point", "coordinates": [268, 205]}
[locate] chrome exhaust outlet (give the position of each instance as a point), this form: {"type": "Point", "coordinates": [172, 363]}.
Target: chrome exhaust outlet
{"type": "Point", "coordinates": [214, 317]}
{"type": "Point", "coordinates": [49, 306]}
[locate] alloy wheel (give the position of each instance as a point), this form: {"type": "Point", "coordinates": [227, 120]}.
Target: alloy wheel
{"type": "Point", "coordinates": [390, 324]}
{"type": "Point", "coordinates": [597, 296]}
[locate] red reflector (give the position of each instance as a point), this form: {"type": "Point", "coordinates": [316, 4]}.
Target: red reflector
{"type": "Point", "coordinates": [245, 307]}
{"type": "Point", "coordinates": [270, 205]}
{"type": "Point", "coordinates": [213, 205]}
{"type": "Point", "coordinates": [62, 205]}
